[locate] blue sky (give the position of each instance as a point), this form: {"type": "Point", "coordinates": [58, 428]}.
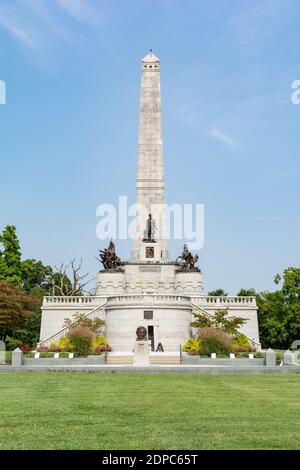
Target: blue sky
{"type": "Point", "coordinates": [68, 132]}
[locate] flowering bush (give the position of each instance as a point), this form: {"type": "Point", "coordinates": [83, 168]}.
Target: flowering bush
{"type": "Point", "coordinates": [43, 349]}
{"type": "Point", "coordinates": [80, 338]}
{"type": "Point", "coordinates": [25, 348]}
{"type": "Point", "coordinates": [192, 346]}
{"type": "Point", "coordinates": [103, 348]}
{"type": "Point", "coordinates": [214, 340]}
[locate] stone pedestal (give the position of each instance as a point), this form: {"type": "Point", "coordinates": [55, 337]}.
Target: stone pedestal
{"type": "Point", "coordinates": [141, 355]}
{"type": "Point", "coordinates": [188, 282]}
{"type": "Point", "coordinates": [110, 282]}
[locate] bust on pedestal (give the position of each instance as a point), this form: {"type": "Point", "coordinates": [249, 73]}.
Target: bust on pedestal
{"type": "Point", "coordinates": [141, 348]}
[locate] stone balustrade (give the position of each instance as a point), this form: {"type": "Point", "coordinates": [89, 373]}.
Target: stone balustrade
{"type": "Point", "coordinates": [131, 299]}
{"type": "Point", "coordinates": [211, 300]}
{"type": "Point", "coordinates": [149, 299]}
{"type": "Point", "coordinates": [71, 300]}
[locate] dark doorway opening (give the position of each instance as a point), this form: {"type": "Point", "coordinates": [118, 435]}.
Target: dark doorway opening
{"type": "Point", "coordinates": [151, 336]}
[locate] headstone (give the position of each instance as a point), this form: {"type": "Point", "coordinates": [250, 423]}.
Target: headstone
{"type": "Point", "coordinates": [213, 355]}
{"type": "Point", "coordinates": [251, 356]}
{"type": "Point", "coordinates": [2, 352]}
{"type": "Point", "coordinates": [288, 358]}
{"type": "Point", "coordinates": [270, 358]}
{"type": "Point", "coordinates": [232, 356]}
{"type": "Point", "coordinates": [56, 355]}
{"type": "Point", "coordinates": [296, 355]}
{"type": "Point", "coordinates": [37, 355]}
{"type": "Point", "coordinates": [141, 353]}
{"type": "Point", "coordinates": [295, 344]}
{"type": "Point", "coordinates": [71, 355]}
{"type": "Point", "coordinates": [17, 357]}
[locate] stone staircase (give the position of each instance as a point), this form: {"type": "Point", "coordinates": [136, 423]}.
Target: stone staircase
{"type": "Point", "coordinates": [165, 359]}
{"type": "Point", "coordinates": [126, 358]}
{"type": "Point", "coordinates": [119, 359]}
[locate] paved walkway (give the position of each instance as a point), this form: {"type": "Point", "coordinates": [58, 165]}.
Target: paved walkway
{"type": "Point", "coordinates": [157, 369]}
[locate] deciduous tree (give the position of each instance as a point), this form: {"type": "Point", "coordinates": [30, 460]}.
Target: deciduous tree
{"type": "Point", "coordinates": [15, 308]}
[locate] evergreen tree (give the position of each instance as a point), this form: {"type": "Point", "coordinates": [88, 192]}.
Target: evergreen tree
{"type": "Point", "coordinates": [10, 256]}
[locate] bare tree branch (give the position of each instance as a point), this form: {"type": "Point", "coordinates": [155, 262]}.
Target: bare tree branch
{"type": "Point", "coordinates": [63, 285]}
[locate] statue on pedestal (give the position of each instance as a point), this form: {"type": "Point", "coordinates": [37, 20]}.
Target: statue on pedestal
{"type": "Point", "coordinates": [149, 234]}
{"type": "Point", "coordinates": [109, 259]}
{"type": "Point", "coordinates": [186, 260]}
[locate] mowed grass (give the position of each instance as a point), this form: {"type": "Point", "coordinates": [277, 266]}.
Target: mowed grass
{"type": "Point", "coordinates": [57, 410]}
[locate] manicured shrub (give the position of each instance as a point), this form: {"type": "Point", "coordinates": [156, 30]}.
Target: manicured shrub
{"type": "Point", "coordinates": [54, 347]}
{"type": "Point", "coordinates": [99, 341]}
{"type": "Point", "coordinates": [214, 340]}
{"type": "Point", "coordinates": [64, 344]}
{"type": "Point", "coordinates": [80, 338]}
{"type": "Point", "coordinates": [240, 343]}
{"type": "Point", "coordinates": [103, 348]}
{"type": "Point", "coordinates": [192, 346]}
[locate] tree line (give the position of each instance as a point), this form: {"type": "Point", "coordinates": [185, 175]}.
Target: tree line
{"type": "Point", "coordinates": [24, 283]}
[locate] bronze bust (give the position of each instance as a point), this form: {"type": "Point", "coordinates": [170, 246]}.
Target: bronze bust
{"type": "Point", "coordinates": [141, 333]}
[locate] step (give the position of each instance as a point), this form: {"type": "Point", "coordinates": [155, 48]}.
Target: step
{"type": "Point", "coordinates": [111, 360]}
{"type": "Point", "coordinates": [165, 359]}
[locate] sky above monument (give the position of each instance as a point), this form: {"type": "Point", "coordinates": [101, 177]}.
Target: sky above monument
{"type": "Point", "coordinates": [69, 128]}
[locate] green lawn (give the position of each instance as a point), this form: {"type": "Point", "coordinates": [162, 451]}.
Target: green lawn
{"type": "Point", "coordinates": [57, 410]}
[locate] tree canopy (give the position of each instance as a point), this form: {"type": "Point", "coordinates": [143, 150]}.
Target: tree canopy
{"type": "Point", "coordinates": [279, 311]}
{"type": "Point", "coordinates": [218, 293]}
{"type": "Point", "coordinates": [15, 307]}
{"type": "Point", "coordinates": [220, 320]}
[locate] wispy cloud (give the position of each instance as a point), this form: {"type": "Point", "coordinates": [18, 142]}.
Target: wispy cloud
{"type": "Point", "coordinates": [81, 10]}
{"type": "Point", "coordinates": [38, 23]}
{"type": "Point", "coordinates": [224, 138]}
{"type": "Point", "coordinates": [18, 32]}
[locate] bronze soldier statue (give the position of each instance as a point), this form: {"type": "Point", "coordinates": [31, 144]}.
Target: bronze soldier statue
{"type": "Point", "coordinates": [108, 257]}
{"type": "Point", "coordinates": [186, 260]}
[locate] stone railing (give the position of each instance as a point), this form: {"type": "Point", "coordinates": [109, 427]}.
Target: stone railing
{"type": "Point", "coordinates": [72, 300]}
{"type": "Point", "coordinates": [130, 299]}
{"type": "Point", "coordinates": [148, 299]}
{"type": "Point", "coordinates": [222, 300]}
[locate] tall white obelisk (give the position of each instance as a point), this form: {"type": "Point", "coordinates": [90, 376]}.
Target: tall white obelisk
{"type": "Point", "coordinates": [151, 244]}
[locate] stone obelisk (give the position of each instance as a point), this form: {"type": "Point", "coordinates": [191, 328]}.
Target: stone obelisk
{"type": "Point", "coordinates": [151, 242]}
